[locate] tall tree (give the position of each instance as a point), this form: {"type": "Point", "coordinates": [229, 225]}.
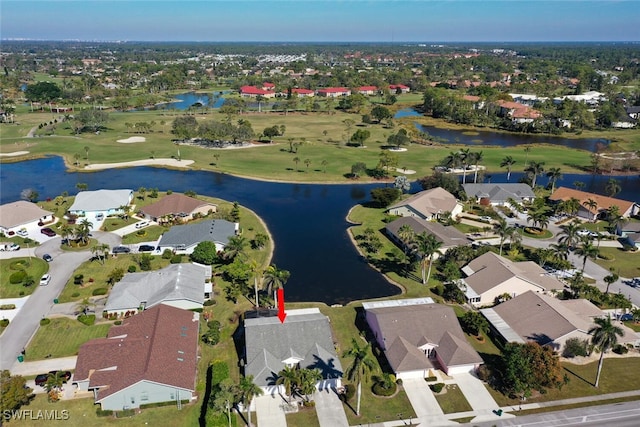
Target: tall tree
{"type": "Point", "coordinates": [289, 378]}
{"type": "Point", "coordinates": [476, 157]}
{"type": "Point", "coordinates": [604, 335]}
{"type": "Point", "coordinates": [13, 392]}
{"type": "Point", "coordinates": [235, 247]}
{"type": "Point", "coordinates": [586, 250]}
{"type": "Point", "coordinates": [427, 246]}
{"type": "Point", "coordinates": [534, 170]}
{"type": "Point", "coordinates": [361, 367]}
{"type": "Point", "coordinates": [504, 230]}
{"type": "Point", "coordinates": [274, 279]}
{"type": "Point", "coordinates": [554, 175]}
{"type": "Point", "coordinates": [570, 234]}
{"type": "Point", "coordinates": [406, 234]}
{"type": "Point", "coordinates": [248, 390]}
{"type": "Point", "coordinates": [613, 187]}
{"type": "Point", "coordinates": [592, 206]}
{"type": "Point", "coordinates": [508, 163]}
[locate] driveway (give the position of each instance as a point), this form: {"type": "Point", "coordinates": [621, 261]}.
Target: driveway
{"type": "Point", "coordinates": [329, 409]}
{"type": "Point", "coordinates": [269, 411]}
{"type": "Point", "coordinates": [424, 403]}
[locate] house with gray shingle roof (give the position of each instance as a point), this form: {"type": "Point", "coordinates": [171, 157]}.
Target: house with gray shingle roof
{"type": "Point", "coordinates": [419, 336]}
{"type": "Point", "coordinates": [303, 340]}
{"type": "Point", "coordinates": [151, 358]}
{"type": "Point", "coordinates": [499, 194]}
{"type": "Point", "coordinates": [447, 235]}
{"type": "Point", "coordinates": [547, 320]}
{"type": "Point", "coordinates": [179, 285]}
{"type": "Point", "coordinates": [184, 238]}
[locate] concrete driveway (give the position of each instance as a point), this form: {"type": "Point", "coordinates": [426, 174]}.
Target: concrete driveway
{"type": "Point", "coordinates": [269, 411]}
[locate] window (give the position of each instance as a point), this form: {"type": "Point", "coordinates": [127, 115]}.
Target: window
{"type": "Point", "coordinates": [144, 396]}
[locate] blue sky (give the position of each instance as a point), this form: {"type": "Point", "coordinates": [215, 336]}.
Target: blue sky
{"type": "Point", "coordinates": [329, 20]}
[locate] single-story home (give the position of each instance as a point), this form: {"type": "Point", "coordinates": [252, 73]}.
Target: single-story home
{"type": "Point", "coordinates": [490, 276]}
{"type": "Point", "coordinates": [499, 194]}
{"type": "Point", "coordinates": [177, 206]}
{"type": "Point", "coordinates": [401, 88]}
{"type": "Point", "coordinates": [304, 340]}
{"type": "Point", "coordinates": [151, 358]}
{"type": "Point", "coordinates": [449, 236]}
{"type": "Point", "coordinates": [368, 90]}
{"type": "Point", "coordinates": [603, 203]}
{"type": "Point", "coordinates": [547, 320]}
{"type": "Point", "coordinates": [301, 93]}
{"type": "Point", "coordinates": [184, 286]}
{"type": "Point", "coordinates": [630, 233]}
{"type": "Point", "coordinates": [106, 202]}
{"type": "Point", "coordinates": [417, 336]}
{"type": "Point", "coordinates": [15, 216]}
{"type": "Point", "coordinates": [428, 204]}
{"type": "Point", "coordinates": [333, 92]}
{"type": "Point", "coordinates": [184, 238]}
{"type": "Point", "coordinates": [253, 92]}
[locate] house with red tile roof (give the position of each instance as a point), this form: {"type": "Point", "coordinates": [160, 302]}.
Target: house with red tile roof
{"type": "Point", "coordinates": [333, 92]}
{"type": "Point", "coordinates": [403, 88]}
{"type": "Point", "coordinates": [252, 92]}
{"type": "Point", "coordinates": [518, 113]}
{"type": "Point", "coordinates": [603, 203]}
{"type": "Point", "coordinates": [151, 358]}
{"type": "Point", "coordinates": [268, 86]}
{"type": "Point", "coordinates": [368, 90]}
{"type": "Point", "coordinates": [303, 92]}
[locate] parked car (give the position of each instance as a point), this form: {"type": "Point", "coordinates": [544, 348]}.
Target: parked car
{"type": "Point", "coordinates": [41, 379]}
{"type": "Point", "coordinates": [142, 224]}
{"type": "Point", "coordinates": [146, 248]}
{"type": "Point", "coordinates": [22, 232]}
{"type": "Point", "coordinates": [44, 280]}
{"type": "Point", "coordinates": [47, 257]}
{"type": "Point", "coordinates": [121, 250]}
{"type": "Point", "coordinates": [626, 317]}
{"type": "Point", "coordinates": [9, 247]}
{"type": "Point", "coordinates": [99, 217]}
{"type": "Point", "coordinates": [486, 218]}
{"type": "Point", "coordinates": [583, 232]}
{"type": "Point", "coordinates": [48, 232]}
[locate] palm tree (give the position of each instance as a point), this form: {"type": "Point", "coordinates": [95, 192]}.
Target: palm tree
{"type": "Point", "coordinates": [406, 234]}
{"type": "Point", "coordinates": [307, 162]}
{"type": "Point", "coordinates": [592, 206]}
{"type": "Point", "coordinates": [296, 160]}
{"type": "Point", "coordinates": [54, 384]}
{"type": "Point", "coordinates": [613, 187]}
{"type": "Point", "coordinates": [257, 274]}
{"type": "Point", "coordinates": [587, 250]}
{"type": "Point", "coordinates": [248, 390]}
{"type": "Point", "coordinates": [308, 378]}
{"type": "Point", "coordinates": [324, 164]}
{"type": "Point", "coordinates": [99, 250]}
{"type": "Point", "coordinates": [454, 159]}
{"type": "Point", "coordinates": [570, 234]}
{"type": "Point", "coordinates": [83, 230]}
{"type": "Point", "coordinates": [604, 335]}
{"type": "Point", "coordinates": [534, 170]}
{"type": "Point", "coordinates": [86, 150]}
{"type": "Point", "coordinates": [508, 163]}
{"type": "Point", "coordinates": [504, 230]}
{"type": "Point", "coordinates": [76, 157]}
{"type": "Point", "coordinates": [66, 231]}
{"type": "Point", "coordinates": [427, 245]}
{"type": "Point", "coordinates": [289, 378]}
{"type": "Point", "coordinates": [85, 305]}
{"type": "Point", "coordinates": [554, 175]}
{"type": "Point", "coordinates": [527, 149]}
{"type": "Point", "coordinates": [236, 246]}
{"type": "Point", "coordinates": [361, 368]}
{"type": "Point", "coordinates": [609, 279]}
{"type": "Point", "coordinates": [466, 158]}
{"type": "Point", "coordinates": [477, 158]}
{"type": "Point", "coordinates": [571, 206]}
{"type": "Point", "coordinates": [560, 250]}
{"type": "Point", "coordinates": [274, 279]}
{"type": "Point", "coordinates": [142, 191]}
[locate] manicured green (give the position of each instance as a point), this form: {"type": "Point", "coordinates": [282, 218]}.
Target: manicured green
{"type": "Point", "coordinates": [63, 337]}
{"type": "Point", "coordinates": [625, 263]}
{"type": "Point", "coordinates": [35, 267]}
{"type": "Point", "coordinates": [452, 400]}
{"type": "Point", "coordinates": [305, 417]}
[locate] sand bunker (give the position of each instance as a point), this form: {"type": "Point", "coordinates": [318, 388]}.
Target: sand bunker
{"type": "Point", "coordinates": [148, 162]}
{"type": "Point", "coordinates": [133, 139]}
{"type": "Point", "coordinates": [15, 153]}
{"type": "Point", "coordinates": [405, 171]}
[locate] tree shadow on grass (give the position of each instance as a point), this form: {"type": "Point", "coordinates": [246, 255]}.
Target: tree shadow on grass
{"type": "Point", "coordinates": [574, 374]}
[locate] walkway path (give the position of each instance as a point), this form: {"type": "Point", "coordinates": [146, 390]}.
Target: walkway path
{"type": "Point", "coordinates": [43, 366]}
{"type": "Point", "coordinates": [478, 397]}
{"type": "Point", "coordinates": [330, 409]}
{"type": "Point", "coordinates": [424, 403]}
{"type": "Point", "coordinates": [269, 411]}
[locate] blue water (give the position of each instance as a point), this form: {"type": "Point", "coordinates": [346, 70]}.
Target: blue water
{"type": "Point", "coordinates": [186, 100]}
{"type": "Point", "coordinates": [490, 138]}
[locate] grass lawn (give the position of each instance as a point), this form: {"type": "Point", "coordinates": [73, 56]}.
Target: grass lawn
{"type": "Point", "coordinates": [582, 378]}
{"type": "Point", "coordinates": [147, 234]}
{"type": "Point", "coordinates": [306, 417]}
{"type": "Point", "coordinates": [63, 337]}
{"type": "Point", "coordinates": [633, 325]}
{"type": "Point", "coordinates": [34, 267]}
{"type": "Point", "coordinates": [452, 400]}
{"type": "Point", "coordinates": [626, 262]}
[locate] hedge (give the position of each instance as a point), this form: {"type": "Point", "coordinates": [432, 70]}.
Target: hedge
{"type": "Point", "coordinates": [7, 307]}
{"type": "Point", "coordinates": [87, 319]}
{"type": "Point", "coordinates": [125, 413]}
{"type": "Point", "coordinates": [44, 321]}
{"type": "Point", "coordinates": [17, 277]}
{"type": "Point", "coordinates": [437, 387]}
{"type": "Point", "coordinates": [4, 323]}
{"type": "Point", "coordinates": [99, 291]}
{"type": "Point", "coordinates": [160, 404]}
{"type": "Point", "coordinates": [379, 390]}
{"type": "Point", "coordinates": [209, 302]}
{"type": "Point", "coordinates": [105, 413]}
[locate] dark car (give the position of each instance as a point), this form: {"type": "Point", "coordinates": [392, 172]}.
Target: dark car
{"type": "Point", "coordinates": [48, 232]}
{"type": "Point", "coordinates": [121, 250]}
{"type": "Point", "coordinates": [146, 248]}
{"type": "Point", "coordinates": [47, 257]}
{"type": "Point", "coordinates": [41, 379]}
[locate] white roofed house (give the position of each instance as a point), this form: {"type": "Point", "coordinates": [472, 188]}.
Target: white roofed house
{"type": "Point", "coordinates": [106, 202]}
{"type": "Point", "coordinates": [429, 204]}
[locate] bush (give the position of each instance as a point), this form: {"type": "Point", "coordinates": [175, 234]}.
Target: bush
{"type": "Point", "coordinates": [399, 381]}
{"type": "Point", "coordinates": [431, 379]}
{"type": "Point", "coordinates": [211, 337]}
{"type": "Point", "coordinates": [7, 307]}
{"type": "Point", "coordinates": [437, 387]}
{"type": "Point", "coordinates": [105, 413]}
{"type": "Point", "coordinates": [620, 349]}
{"type": "Point", "coordinates": [575, 347]}
{"type": "Point", "coordinates": [75, 295]}
{"type": "Point", "coordinates": [349, 392]}
{"type": "Point", "coordinates": [132, 269]}
{"type": "Point", "coordinates": [309, 404]}
{"type": "Point", "coordinates": [176, 259]}
{"type": "Point", "coordinates": [4, 323]}
{"type": "Point", "coordinates": [118, 322]}
{"type": "Point", "coordinates": [87, 319]}
{"type": "Point", "coordinates": [44, 321]}
{"type": "Point", "coordinates": [18, 265]}
{"type": "Point", "coordinates": [167, 254]}
{"type": "Point", "coordinates": [209, 302]}
{"type": "Point", "coordinates": [160, 404]}
{"type": "Point", "coordinates": [606, 257]}
{"type": "Point", "coordinates": [125, 413]}
{"type": "Point", "coordinates": [99, 291]}
{"type": "Point", "coordinates": [17, 277]}
{"type": "Point", "coordinates": [77, 279]}
{"type": "Point", "coordinates": [483, 373]}
{"type": "Point", "coordinates": [379, 389]}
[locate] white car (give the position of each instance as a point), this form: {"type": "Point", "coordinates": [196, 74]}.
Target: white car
{"type": "Point", "coordinates": [22, 232]}
{"type": "Point", "coordinates": [44, 280]}
{"type": "Point", "coordinates": [583, 232]}
{"type": "Point", "coordinates": [142, 224]}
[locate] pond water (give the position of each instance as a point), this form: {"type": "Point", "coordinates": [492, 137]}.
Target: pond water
{"type": "Point", "coordinates": [186, 100]}
{"type": "Point", "coordinates": [481, 137]}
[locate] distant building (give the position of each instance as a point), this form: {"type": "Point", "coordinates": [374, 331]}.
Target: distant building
{"type": "Point", "coordinates": [448, 236]}
{"type": "Point", "coordinates": [333, 92]}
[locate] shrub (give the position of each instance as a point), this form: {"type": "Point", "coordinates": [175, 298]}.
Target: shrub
{"type": "Point", "coordinates": [213, 324]}
{"type": "Point", "coordinates": [437, 387]}
{"type": "Point", "coordinates": [167, 254]}
{"type": "Point", "coordinates": [606, 257]}
{"type": "Point", "coordinates": [18, 265]}
{"type": "Point", "coordinates": [44, 321]}
{"type": "Point", "coordinates": [483, 373]}
{"type": "Point", "coordinates": [105, 413]}
{"type": "Point", "coordinates": [431, 379]}
{"type": "Point", "coordinates": [17, 277]}
{"type": "Point", "coordinates": [209, 302]}
{"type": "Point", "coordinates": [575, 347]}
{"type": "Point", "coordinates": [87, 319]}
{"type": "Point", "coordinates": [349, 392]}
{"type": "Point", "coordinates": [132, 269]}
{"type": "Point", "coordinates": [118, 322]}
{"type": "Point", "coordinates": [176, 259]}
{"type": "Point", "coordinates": [99, 291]}
{"type": "Point", "coordinates": [399, 381]}
{"type": "Point", "coordinates": [620, 349]}
{"type": "Point", "coordinates": [125, 413]}
{"type": "Point", "coordinates": [75, 294]}
{"type": "Point", "coordinates": [4, 323]}
{"type": "Point", "coordinates": [77, 279]}
{"type": "Point", "coordinates": [211, 337]}
{"type": "Point", "coordinates": [309, 404]}
{"type": "Point", "coordinates": [7, 307]}
{"type": "Point", "coordinates": [380, 390]}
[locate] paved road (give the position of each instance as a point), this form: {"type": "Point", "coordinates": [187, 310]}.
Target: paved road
{"type": "Point", "coordinates": [26, 323]}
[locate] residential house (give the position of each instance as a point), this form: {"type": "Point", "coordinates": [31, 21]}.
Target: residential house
{"type": "Point", "coordinates": [368, 90]}
{"type": "Point", "coordinates": [603, 203]}
{"type": "Point", "coordinates": [499, 194]}
{"type": "Point", "coordinates": [491, 276]}
{"type": "Point", "coordinates": [20, 215]}
{"type": "Point", "coordinates": [527, 99]}
{"type": "Point", "coordinates": [151, 358]}
{"type": "Point", "coordinates": [476, 101]}
{"type": "Point", "coordinates": [253, 92]}
{"type": "Point", "coordinates": [517, 112]}
{"type": "Point", "coordinates": [428, 204]}
{"type": "Point", "coordinates": [268, 86]}
{"type": "Point", "coordinates": [401, 88]}
{"type": "Point", "coordinates": [547, 320]}
{"type": "Point", "coordinates": [447, 235]}
{"type": "Point", "coordinates": [183, 286]}
{"type": "Point", "coordinates": [184, 238]}
{"type": "Point", "coordinates": [333, 92]}
{"type": "Point", "coordinates": [177, 206]}
{"type": "Point", "coordinates": [633, 112]}
{"type": "Point", "coordinates": [303, 93]}
{"type": "Point", "coordinates": [624, 122]}
{"type": "Point", "coordinates": [105, 202]}
{"type": "Point", "coordinates": [630, 233]}
{"type": "Point", "coordinates": [303, 340]}
{"type": "Point", "coordinates": [418, 337]}
{"type": "Point", "coordinates": [592, 98]}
